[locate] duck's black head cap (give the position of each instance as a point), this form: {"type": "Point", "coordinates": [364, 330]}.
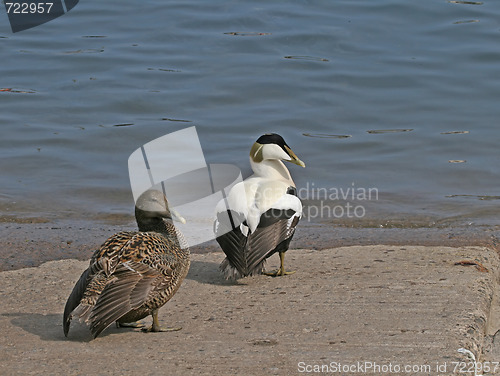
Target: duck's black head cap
{"type": "Point", "coordinates": [272, 138]}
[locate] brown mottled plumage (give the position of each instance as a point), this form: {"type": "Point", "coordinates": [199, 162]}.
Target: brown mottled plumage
{"type": "Point", "coordinates": [132, 274]}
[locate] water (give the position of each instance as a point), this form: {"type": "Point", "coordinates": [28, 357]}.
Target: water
{"type": "Point", "coordinates": [397, 96]}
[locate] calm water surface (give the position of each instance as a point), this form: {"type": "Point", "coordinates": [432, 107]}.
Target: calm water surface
{"type": "Point", "coordinates": [397, 96]}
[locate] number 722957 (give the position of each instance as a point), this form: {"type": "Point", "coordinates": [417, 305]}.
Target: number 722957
{"type": "Point", "coordinates": [28, 8]}
{"type": "Point", "coordinates": [475, 367]}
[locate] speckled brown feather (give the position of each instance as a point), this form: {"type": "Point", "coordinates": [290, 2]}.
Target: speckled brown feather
{"type": "Point", "coordinates": [130, 275]}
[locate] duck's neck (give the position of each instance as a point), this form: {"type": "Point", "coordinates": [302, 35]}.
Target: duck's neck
{"type": "Point", "coordinates": [148, 223]}
{"type": "Point", "coordinates": [161, 226]}
{"type": "Point", "coordinates": [272, 169]}
{"type": "Point", "coordinates": [152, 225]}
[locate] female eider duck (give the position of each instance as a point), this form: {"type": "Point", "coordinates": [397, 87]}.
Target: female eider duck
{"type": "Point", "coordinates": [259, 215]}
{"type": "Point", "coordinates": [132, 274]}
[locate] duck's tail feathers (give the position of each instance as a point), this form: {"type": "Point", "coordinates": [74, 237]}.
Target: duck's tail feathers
{"type": "Point", "coordinates": [74, 302]}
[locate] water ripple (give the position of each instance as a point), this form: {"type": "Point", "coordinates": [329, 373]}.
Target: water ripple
{"type": "Point", "coordinates": [86, 51]}
{"type": "Point", "coordinates": [464, 22]}
{"type": "Point", "coordinates": [465, 2]}
{"type": "Point", "coordinates": [13, 90]}
{"type": "Point", "coordinates": [246, 34]}
{"type": "Point", "coordinates": [165, 70]}
{"type": "Point", "coordinates": [312, 58]}
{"type": "Point", "coordinates": [179, 120]}
{"type": "Point", "coordinates": [322, 135]}
{"type": "Point", "coordinates": [478, 197]}
{"type": "Point", "coordinates": [455, 132]}
{"type": "Point", "coordinates": [380, 131]}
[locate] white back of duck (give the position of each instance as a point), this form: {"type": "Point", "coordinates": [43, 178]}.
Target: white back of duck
{"type": "Point", "coordinates": [259, 215]}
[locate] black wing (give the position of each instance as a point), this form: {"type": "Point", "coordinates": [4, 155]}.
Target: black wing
{"type": "Point", "coordinates": [246, 252]}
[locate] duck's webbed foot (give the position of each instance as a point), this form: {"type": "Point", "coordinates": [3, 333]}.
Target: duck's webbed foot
{"type": "Point", "coordinates": [137, 324]}
{"type": "Point", "coordinates": [156, 327]}
{"type": "Point", "coordinates": [281, 270]}
{"type": "Point", "coordinates": [278, 273]}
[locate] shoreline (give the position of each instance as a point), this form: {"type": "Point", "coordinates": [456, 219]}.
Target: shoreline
{"type": "Point", "coordinates": [28, 242]}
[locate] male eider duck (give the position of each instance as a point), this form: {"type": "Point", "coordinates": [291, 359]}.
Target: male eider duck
{"type": "Point", "coordinates": [132, 274]}
{"type": "Point", "coordinates": [259, 215]}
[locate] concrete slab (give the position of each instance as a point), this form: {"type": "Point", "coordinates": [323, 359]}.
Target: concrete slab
{"type": "Point", "coordinates": [385, 310]}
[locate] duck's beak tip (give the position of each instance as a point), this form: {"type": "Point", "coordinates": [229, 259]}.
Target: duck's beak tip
{"type": "Point", "coordinates": [298, 162]}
